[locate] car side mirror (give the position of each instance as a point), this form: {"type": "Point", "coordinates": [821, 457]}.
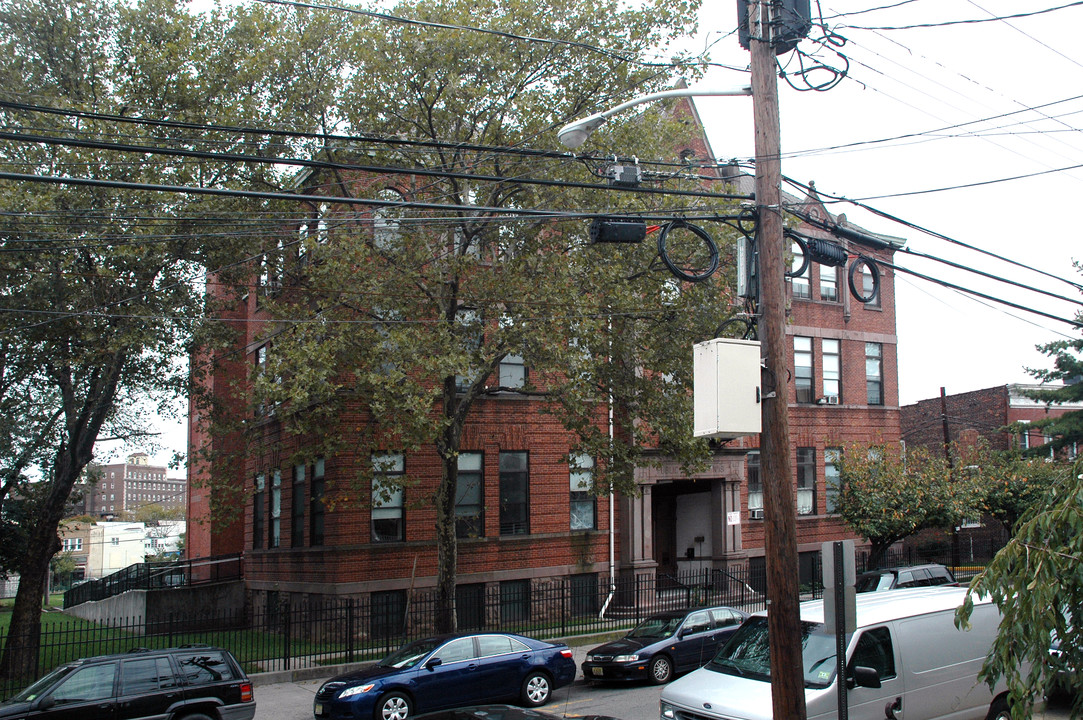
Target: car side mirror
{"type": "Point", "coordinates": [44, 703]}
{"type": "Point", "coordinates": [433, 663]}
{"type": "Point", "coordinates": [863, 677]}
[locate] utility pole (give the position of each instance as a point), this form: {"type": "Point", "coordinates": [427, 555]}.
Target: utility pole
{"type": "Point", "coordinates": [783, 617]}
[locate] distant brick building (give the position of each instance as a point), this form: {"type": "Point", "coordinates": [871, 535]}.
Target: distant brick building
{"type": "Point", "coordinates": [123, 488]}
{"type": "Point", "coordinates": [987, 413]}
{"type": "Point", "coordinates": [842, 388]}
{"type": "Point", "coordinates": [964, 418]}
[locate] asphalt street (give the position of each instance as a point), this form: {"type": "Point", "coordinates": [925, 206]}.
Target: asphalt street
{"type": "Point", "coordinates": [279, 699]}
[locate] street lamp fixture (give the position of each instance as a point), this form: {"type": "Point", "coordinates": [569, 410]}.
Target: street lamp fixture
{"type": "Point", "coordinates": [576, 133]}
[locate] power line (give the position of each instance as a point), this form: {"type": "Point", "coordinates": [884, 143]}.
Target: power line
{"type": "Point", "coordinates": [327, 165]}
{"type": "Point", "coordinates": [932, 233]}
{"type": "Point", "coordinates": [976, 21]}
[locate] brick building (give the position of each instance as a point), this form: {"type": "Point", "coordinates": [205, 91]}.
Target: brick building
{"type": "Point", "coordinates": [842, 389]}
{"type": "Point", "coordinates": [122, 488]}
{"type": "Point", "coordinates": [987, 413]}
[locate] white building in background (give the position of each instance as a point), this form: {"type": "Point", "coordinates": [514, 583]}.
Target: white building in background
{"type": "Point", "coordinates": [122, 544]}
{"type": "Point", "coordinates": [163, 538]}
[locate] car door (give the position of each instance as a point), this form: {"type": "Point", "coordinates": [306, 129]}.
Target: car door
{"type": "Point", "coordinates": [724, 622]}
{"type": "Point", "coordinates": [89, 692]}
{"type": "Point", "coordinates": [148, 688]}
{"type": "Point", "coordinates": [690, 639]}
{"type": "Point", "coordinates": [875, 649]}
{"type": "Point", "coordinates": [449, 677]}
{"type": "Point", "coordinates": [503, 663]}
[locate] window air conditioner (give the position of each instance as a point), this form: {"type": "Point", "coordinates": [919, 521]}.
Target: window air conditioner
{"type": "Point", "coordinates": [831, 400]}
{"type": "Point", "coordinates": [756, 514]}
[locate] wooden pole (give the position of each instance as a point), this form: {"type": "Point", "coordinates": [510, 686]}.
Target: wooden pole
{"type": "Point", "coordinates": [780, 508]}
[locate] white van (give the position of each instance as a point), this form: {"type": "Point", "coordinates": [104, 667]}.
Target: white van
{"type": "Point", "coordinates": [914, 664]}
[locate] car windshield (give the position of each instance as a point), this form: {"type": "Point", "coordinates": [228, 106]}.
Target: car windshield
{"type": "Point", "coordinates": [661, 626]}
{"type": "Point", "coordinates": [747, 654]}
{"type": "Point", "coordinates": [31, 693]}
{"type": "Point", "coordinates": [874, 582]}
{"type": "Point", "coordinates": [409, 655]}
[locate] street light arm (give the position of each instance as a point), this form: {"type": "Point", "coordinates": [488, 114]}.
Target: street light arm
{"type": "Point", "coordinates": [576, 133]}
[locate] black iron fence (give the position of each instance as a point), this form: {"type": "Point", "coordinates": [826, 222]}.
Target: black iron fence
{"type": "Point", "coordinates": [157, 575]}
{"type": "Point", "coordinates": [280, 631]}
{"type": "Point", "coordinates": [291, 631]}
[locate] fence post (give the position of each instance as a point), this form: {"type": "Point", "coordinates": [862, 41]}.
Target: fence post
{"type": "Point", "coordinates": [349, 629]}
{"type": "Point", "coordinates": [566, 602]}
{"type": "Point", "coordinates": [286, 634]}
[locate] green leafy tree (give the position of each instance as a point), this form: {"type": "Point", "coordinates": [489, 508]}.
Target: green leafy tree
{"type": "Point", "coordinates": [887, 494]}
{"type": "Point", "coordinates": [1037, 582]}
{"type": "Point", "coordinates": [103, 286]}
{"type": "Point", "coordinates": [1065, 431]}
{"type": "Point", "coordinates": [1013, 485]}
{"type": "Point", "coordinates": [410, 313]}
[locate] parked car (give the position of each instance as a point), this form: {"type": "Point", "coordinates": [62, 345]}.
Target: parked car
{"type": "Point", "coordinates": [894, 578]}
{"type": "Point", "coordinates": [500, 712]}
{"type": "Point", "coordinates": [663, 645]}
{"type": "Point", "coordinates": [194, 682]}
{"type": "Point", "coordinates": [906, 659]}
{"type": "Point", "coordinates": [449, 671]}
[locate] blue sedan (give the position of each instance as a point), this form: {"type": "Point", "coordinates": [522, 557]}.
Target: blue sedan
{"type": "Point", "coordinates": [448, 671]}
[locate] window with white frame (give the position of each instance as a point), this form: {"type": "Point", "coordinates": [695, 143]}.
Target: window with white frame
{"type": "Point", "coordinates": [755, 487]}
{"type": "Point", "coordinates": [73, 544]}
{"type": "Point", "coordinates": [867, 285]}
{"type": "Point", "coordinates": [832, 370]}
{"type": "Point", "coordinates": [387, 219]}
{"type": "Point", "coordinates": [388, 521]}
{"type": "Point", "coordinates": [469, 514]}
{"type": "Point", "coordinates": [512, 371]}
{"type": "Point", "coordinates": [874, 373]}
{"type": "Point", "coordinates": [829, 283]}
{"type": "Point", "coordinates": [832, 478]}
{"type": "Point", "coordinates": [582, 501]}
{"type": "Point", "coordinates": [514, 493]}
{"type": "Point", "coordinates": [803, 374]}
{"type": "Point", "coordinates": [470, 330]}
{"type": "Point", "coordinates": [806, 481]}
{"type": "Point", "coordinates": [800, 283]}
{"type": "Point", "coordinates": [274, 537]}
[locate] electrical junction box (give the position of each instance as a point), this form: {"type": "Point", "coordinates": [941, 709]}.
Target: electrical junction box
{"type": "Point", "coordinates": [726, 388]}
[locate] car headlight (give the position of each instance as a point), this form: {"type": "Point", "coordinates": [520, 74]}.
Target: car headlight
{"type": "Point", "coordinates": [355, 690]}
{"type": "Point", "coordinates": [667, 711]}
{"type": "Point", "coordinates": [626, 658]}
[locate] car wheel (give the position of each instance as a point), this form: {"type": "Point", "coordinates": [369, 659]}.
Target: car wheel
{"type": "Point", "coordinates": [999, 710]}
{"type": "Point", "coordinates": [661, 670]}
{"type": "Point", "coordinates": [393, 706]}
{"type": "Point", "coordinates": [195, 716]}
{"type": "Point", "coordinates": [536, 689]}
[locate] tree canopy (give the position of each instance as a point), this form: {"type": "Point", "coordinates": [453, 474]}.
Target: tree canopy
{"type": "Point", "coordinates": [103, 278]}
{"type": "Point", "coordinates": [1037, 582]}
{"type": "Point", "coordinates": [410, 312]}
{"type": "Point", "coordinates": [887, 494]}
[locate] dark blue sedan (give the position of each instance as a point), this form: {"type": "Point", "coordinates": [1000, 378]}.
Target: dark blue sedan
{"type": "Point", "coordinates": [448, 671]}
{"type": "Point", "coordinates": [663, 645]}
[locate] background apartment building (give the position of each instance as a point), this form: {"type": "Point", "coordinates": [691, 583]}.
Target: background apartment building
{"type": "Point", "coordinates": [123, 488]}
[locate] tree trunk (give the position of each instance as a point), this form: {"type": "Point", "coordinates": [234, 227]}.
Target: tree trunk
{"type": "Point", "coordinates": [20, 658]}
{"type": "Point", "coordinates": [447, 550]}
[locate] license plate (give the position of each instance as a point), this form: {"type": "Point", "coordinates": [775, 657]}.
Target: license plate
{"type": "Point", "coordinates": [318, 710]}
{"type": "Point", "coordinates": [597, 670]}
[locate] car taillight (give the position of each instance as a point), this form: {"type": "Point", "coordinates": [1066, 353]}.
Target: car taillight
{"type": "Point", "coordinates": [246, 692]}
{"type": "Point", "coordinates": [566, 652]}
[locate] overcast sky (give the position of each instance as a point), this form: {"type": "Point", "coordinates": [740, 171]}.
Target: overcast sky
{"type": "Point", "coordinates": [967, 103]}
{"type": "Point", "coordinates": [920, 111]}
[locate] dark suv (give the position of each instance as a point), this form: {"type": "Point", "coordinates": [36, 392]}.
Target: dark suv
{"type": "Point", "coordinates": [904, 577]}
{"type": "Point", "coordinates": [194, 682]}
